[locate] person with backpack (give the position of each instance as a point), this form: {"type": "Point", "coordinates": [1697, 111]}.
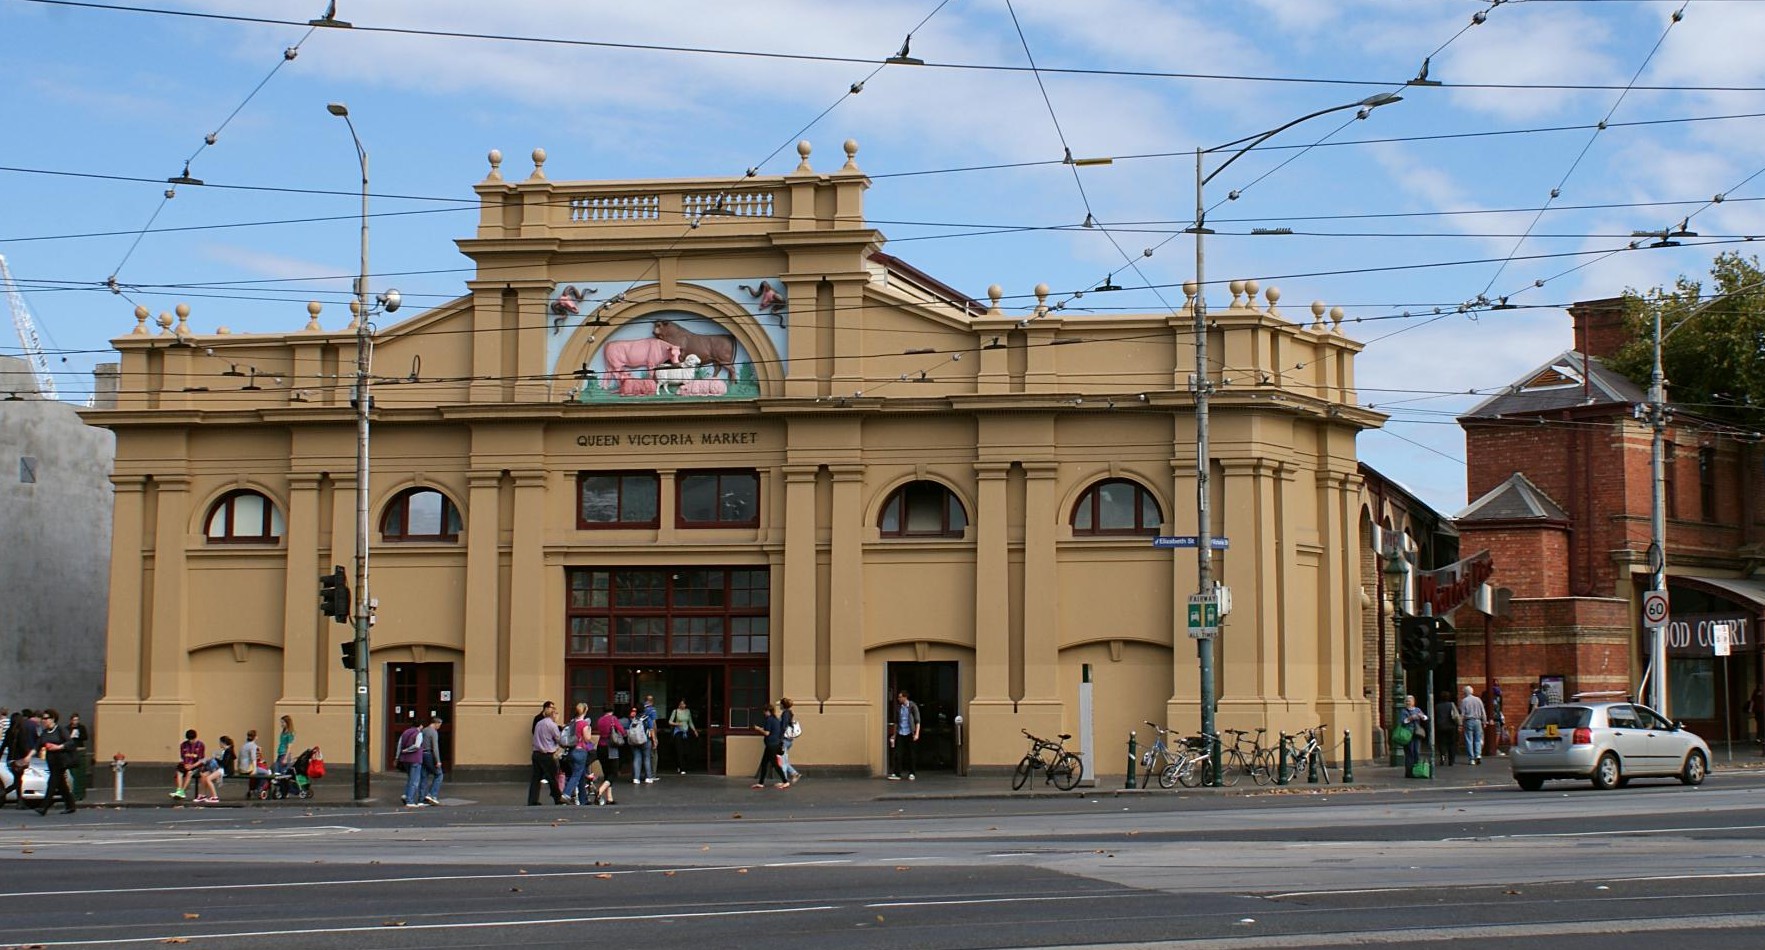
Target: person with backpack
{"type": "Point", "coordinates": [410, 762]}
{"type": "Point", "coordinates": [790, 728]}
{"type": "Point", "coordinates": [432, 773]}
{"type": "Point", "coordinates": [637, 746]}
{"type": "Point", "coordinates": [610, 736]}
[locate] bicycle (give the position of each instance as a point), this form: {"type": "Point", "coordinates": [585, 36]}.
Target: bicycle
{"type": "Point", "coordinates": [1301, 756]}
{"type": "Point", "coordinates": [1060, 767]}
{"type": "Point", "coordinates": [1258, 761]}
{"type": "Point", "coordinates": [1169, 765]}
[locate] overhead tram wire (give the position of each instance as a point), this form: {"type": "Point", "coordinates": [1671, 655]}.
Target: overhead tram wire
{"type": "Point", "coordinates": [855, 60]}
{"type": "Point", "coordinates": [287, 56]}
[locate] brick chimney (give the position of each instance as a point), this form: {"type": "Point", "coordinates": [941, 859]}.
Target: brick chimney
{"type": "Point", "coordinates": [1599, 326]}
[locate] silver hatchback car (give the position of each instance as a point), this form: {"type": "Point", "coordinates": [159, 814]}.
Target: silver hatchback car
{"type": "Point", "coordinates": [1609, 743]}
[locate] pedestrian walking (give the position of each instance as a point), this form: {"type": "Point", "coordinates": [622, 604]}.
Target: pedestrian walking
{"type": "Point", "coordinates": [583, 742]}
{"type": "Point", "coordinates": [78, 739]}
{"type": "Point", "coordinates": [903, 738]}
{"type": "Point", "coordinates": [1412, 717]}
{"type": "Point", "coordinates": [18, 747]}
{"type": "Point", "coordinates": [410, 762]}
{"type": "Point", "coordinates": [1497, 718]}
{"type": "Point", "coordinates": [192, 759]}
{"type": "Point", "coordinates": [545, 757]}
{"type": "Point", "coordinates": [682, 730]}
{"type": "Point", "coordinates": [1446, 717]}
{"type": "Point", "coordinates": [773, 729]}
{"type": "Point", "coordinates": [790, 729]}
{"type": "Point", "coordinates": [1540, 697]}
{"type": "Point", "coordinates": [284, 743]}
{"type": "Point", "coordinates": [611, 737]}
{"type": "Point", "coordinates": [60, 757]}
{"type": "Point", "coordinates": [432, 771]}
{"type": "Point", "coordinates": [1471, 717]}
{"type": "Point", "coordinates": [545, 711]}
{"type": "Point", "coordinates": [649, 721]}
{"type": "Point", "coordinates": [1756, 705]}
{"type": "Point", "coordinates": [637, 745]}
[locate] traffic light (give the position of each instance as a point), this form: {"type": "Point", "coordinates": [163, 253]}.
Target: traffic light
{"type": "Point", "coordinates": [349, 654]}
{"type": "Point", "coordinates": [1421, 641]}
{"type": "Point", "coordinates": [334, 595]}
{"type": "Point", "coordinates": [1412, 641]}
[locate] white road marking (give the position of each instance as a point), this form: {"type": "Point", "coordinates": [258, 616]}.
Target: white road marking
{"type": "Point", "coordinates": [466, 925]}
{"type": "Point", "coordinates": [1713, 876]}
{"type": "Point", "coordinates": [425, 879]}
{"type": "Point", "coordinates": [1613, 833]}
{"type": "Point", "coordinates": [168, 837]}
{"type": "Point", "coordinates": [997, 900]}
{"type": "Point", "coordinates": [1420, 935]}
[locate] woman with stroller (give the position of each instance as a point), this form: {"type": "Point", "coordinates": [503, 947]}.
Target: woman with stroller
{"type": "Point", "coordinates": [284, 743]}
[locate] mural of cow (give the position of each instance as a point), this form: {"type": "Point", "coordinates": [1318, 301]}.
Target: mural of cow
{"type": "Point", "coordinates": [716, 350]}
{"type": "Point", "coordinates": [644, 353]}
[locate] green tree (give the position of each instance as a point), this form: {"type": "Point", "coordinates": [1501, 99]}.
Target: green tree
{"type": "Point", "coordinates": [1714, 355]}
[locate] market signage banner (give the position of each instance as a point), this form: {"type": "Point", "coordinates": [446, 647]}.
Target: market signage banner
{"type": "Point", "coordinates": [1444, 589]}
{"type": "Point", "coordinates": [1691, 634]}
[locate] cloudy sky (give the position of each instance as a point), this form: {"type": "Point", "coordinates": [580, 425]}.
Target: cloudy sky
{"type": "Point", "coordinates": [1400, 219]}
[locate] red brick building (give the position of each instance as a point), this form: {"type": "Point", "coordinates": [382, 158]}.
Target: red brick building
{"type": "Point", "coordinates": [1560, 481]}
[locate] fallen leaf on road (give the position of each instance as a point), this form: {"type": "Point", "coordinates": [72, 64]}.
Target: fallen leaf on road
{"type": "Point", "coordinates": [176, 940]}
{"type": "Point", "coordinates": [28, 851]}
{"type": "Point", "coordinates": [392, 923]}
{"type": "Point", "coordinates": [520, 870]}
{"type": "Point", "coordinates": [667, 873]}
{"type": "Point", "coordinates": [705, 848]}
{"type": "Point", "coordinates": [902, 867]}
{"type": "Point", "coordinates": [741, 870]}
{"type": "Point", "coordinates": [192, 916]}
{"type": "Point", "coordinates": [879, 918]}
{"type": "Point", "coordinates": [736, 815]}
{"type": "Point", "coordinates": [514, 890]}
{"type": "Point", "coordinates": [1510, 892]}
{"type": "Point", "coordinates": [603, 864]}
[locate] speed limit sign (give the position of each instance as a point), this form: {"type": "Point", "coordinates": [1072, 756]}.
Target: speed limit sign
{"type": "Point", "coordinates": [1654, 609]}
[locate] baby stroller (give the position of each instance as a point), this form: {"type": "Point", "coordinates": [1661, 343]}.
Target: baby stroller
{"type": "Point", "coordinates": [295, 780]}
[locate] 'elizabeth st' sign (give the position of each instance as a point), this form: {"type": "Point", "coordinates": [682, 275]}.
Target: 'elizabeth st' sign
{"type": "Point", "coordinates": [1444, 589]}
{"type": "Point", "coordinates": [646, 440]}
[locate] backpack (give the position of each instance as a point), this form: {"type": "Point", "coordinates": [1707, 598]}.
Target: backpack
{"type": "Point", "coordinates": [567, 738]}
{"type": "Point", "coordinates": [636, 734]}
{"type": "Point", "coordinates": [410, 746]}
{"type": "Point", "coordinates": [794, 728]}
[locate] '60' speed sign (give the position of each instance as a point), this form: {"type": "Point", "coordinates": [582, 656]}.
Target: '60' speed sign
{"type": "Point", "coordinates": [1654, 609]}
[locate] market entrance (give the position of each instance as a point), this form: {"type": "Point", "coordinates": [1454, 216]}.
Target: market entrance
{"type": "Point", "coordinates": [934, 687]}
{"type": "Point", "coordinates": [696, 634]}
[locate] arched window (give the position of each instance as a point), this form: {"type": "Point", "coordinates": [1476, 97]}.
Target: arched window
{"type": "Point", "coordinates": [243, 517]}
{"type": "Point", "coordinates": [922, 509]}
{"type": "Point", "coordinates": [420, 514]}
{"type": "Point", "coordinates": [1116, 506]}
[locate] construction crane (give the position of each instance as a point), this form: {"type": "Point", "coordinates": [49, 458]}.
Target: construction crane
{"type": "Point", "coordinates": [27, 331]}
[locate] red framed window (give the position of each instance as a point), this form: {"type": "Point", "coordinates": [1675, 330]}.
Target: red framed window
{"type": "Point", "coordinates": [421, 514]}
{"type": "Point", "coordinates": [717, 499]}
{"type": "Point", "coordinates": [688, 613]}
{"type": "Point", "coordinates": [922, 509]}
{"type": "Point", "coordinates": [243, 517]}
{"type": "Point", "coordinates": [1116, 506]}
{"type": "Point", "coordinates": [618, 500]}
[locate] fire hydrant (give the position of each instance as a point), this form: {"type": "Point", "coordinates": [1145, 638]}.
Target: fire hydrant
{"type": "Point", "coordinates": [117, 764]}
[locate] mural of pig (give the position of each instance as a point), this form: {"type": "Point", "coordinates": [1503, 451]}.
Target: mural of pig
{"type": "Point", "coordinates": [704, 387]}
{"type": "Point", "coordinates": [633, 386]}
{"type": "Point", "coordinates": [624, 355]}
{"type": "Point", "coordinates": [716, 350]}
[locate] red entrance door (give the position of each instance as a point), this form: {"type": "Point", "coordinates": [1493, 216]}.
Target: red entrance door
{"type": "Point", "coordinates": [416, 691]}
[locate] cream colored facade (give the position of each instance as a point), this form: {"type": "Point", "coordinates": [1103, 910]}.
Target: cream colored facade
{"type": "Point", "coordinates": [865, 376]}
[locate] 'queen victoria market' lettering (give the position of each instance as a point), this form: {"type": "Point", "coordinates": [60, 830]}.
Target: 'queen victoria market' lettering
{"type": "Point", "coordinates": [653, 439]}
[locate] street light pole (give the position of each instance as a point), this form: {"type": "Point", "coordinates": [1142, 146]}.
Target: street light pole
{"type": "Point", "coordinates": [363, 361]}
{"type": "Point", "coordinates": [1658, 522]}
{"type": "Point", "coordinates": [1203, 387]}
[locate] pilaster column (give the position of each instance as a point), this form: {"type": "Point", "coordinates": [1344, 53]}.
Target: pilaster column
{"type": "Point", "coordinates": [336, 685]}
{"type": "Point", "coordinates": [1041, 584]}
{"type": "Point", "coordinates": [301, 620]}
{"type": "Point", "coordinates": [796, 658]}
{"type": "Point", "coordinates": [123, 685]}
{"type": "Point", "coordinates": [1249, 645]}
{"type": "Point", "coordinates": [168, 653]}
{"type": "Point", "coordinates": [482, 670]}
{"type": "Point", "coordinates": [992, 583]}
{"type": "Point", "coordinates": [536, 665]}
{"type": "Point", "coordinates": [845, 636]}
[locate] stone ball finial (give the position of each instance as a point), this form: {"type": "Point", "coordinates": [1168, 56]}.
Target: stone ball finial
{"type": "Point", "coordinates": [851, 147]}
{"type": "Point", "coordinates": [182, 310]}
{"type": "Point", "coordinates": [1336, 319]}
{"type": "Point", "coordinates": [1189, 288]}
{"type": "Point", "coordinates": [995, 293]}
{"type": "Point", "coordinates": [803, 150]}
{"type": "Point", "coordinates": [1237, 289]}
{"type": "Point", "coordinates": [165, 322]}
{"type": "Point", "coordinates": [496, 165]}
{"type": "Point", "coordinates": [1317, 315]}
{"type": "Point", "coordinates": [141, 315]}
{"type": "Point", "coordinates": [223, 331]}
{"type": "Point", "coordinates": [312, 316]}
{"type": "Point", "coordinates": [1251, 289]}
{"type": "Point", "coordinates": [313, 307]}
{"type": "Point", "coordinates": [538, 165]}
{"type": "Point", "coordinates": [1041, 293]}
{"type": "Point", "coordinates": [1274, 295]}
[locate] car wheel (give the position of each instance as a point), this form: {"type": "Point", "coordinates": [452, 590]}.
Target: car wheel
{"type": "Point", "coordinates": [1695, 769]}
{"type": "Point", "coordinates": [1530, 783]}
{"type": "Point", "coordinates": [1606, 773]}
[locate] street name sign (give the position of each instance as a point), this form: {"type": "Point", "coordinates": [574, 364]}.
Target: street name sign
{"type": "Point", "coordinates": [1189, 541]}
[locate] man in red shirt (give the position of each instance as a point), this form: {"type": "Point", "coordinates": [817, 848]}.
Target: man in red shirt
{"type": "Point", "coordinates": [192, 755]}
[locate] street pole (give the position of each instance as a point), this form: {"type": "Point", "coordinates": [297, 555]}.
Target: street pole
{"type": "Point", "coordinates": [363, 362]}
{"type": "Point", "coordinates": [1658, 523]}
{"type": "Point", "coordinates": [1203, 388]}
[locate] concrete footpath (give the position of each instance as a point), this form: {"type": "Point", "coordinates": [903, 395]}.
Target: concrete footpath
{"type": "Point", "coordinates": [385, 788]}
